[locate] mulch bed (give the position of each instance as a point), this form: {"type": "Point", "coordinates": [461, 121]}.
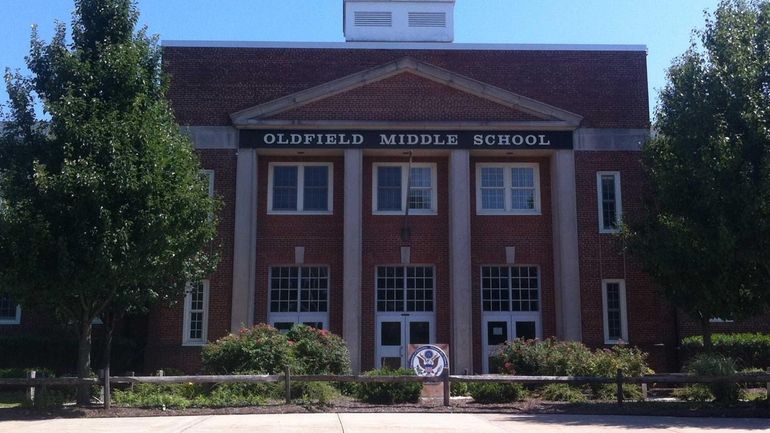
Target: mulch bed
{"type": "Point", "coordinates": [530, 406]}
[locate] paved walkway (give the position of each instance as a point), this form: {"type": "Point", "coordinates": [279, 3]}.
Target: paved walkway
{"type": "Point", "coordinates": [390, 423]}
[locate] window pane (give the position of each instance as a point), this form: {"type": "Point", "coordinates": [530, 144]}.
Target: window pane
{"type": "Point", "coordinates": [421, 177]}
{"type": "Point", "coordinates": [614, 321]}
{"type": "Point", "coordinates": [283, 289]}
{"type": "Point", "coordinates": [390, 333]}
{"type": "Point", "coordinates": [494, 289]}
{"type": "Point", "coordinates": [497, 333]}
{"type": "Point", "coordinates": [419, 288]}
{"type": "Point", "coordinates": [524, 289]}
{"type": "Point", "coordinates": [390, 288]}
{"type": "Point", "coordinates": [7, 308]}
{"type": "Point", "coordinates": [316, 192]}
{"type": "Point", "coordinates": [285, 188]}
{"type": "Point", "coordinates": [526, 330]}
{"type": "Point", "coordinates": [389, 188]}
{"type": "Point", "coordinates": [492, 188]}
{"type": "Point", "coordinates": [419, 332]}
{"type": "Point", "coordinates": [609, 203]}
{"type": "Point", "coordinates": [314, 289]}
{"type": "Point", "coordinates": [523, 198]}
{"type": "Point", "coordinates": [420, 198]}
{"type": "Point", "coordinates": [522, 177]}
{"type": "Point", "coordinates": [492, 177]}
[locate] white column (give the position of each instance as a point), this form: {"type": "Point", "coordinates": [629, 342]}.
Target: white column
{"type": "Point", "coordinates": [461, 349]}
{"type": "Point", "coordinates": [351, 278]}
{"type": "Point", "coordinates": [245, 240]}
{"type": "Point", "coordinates": [565, 246]}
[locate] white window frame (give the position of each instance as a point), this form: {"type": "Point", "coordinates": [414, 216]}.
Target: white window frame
{"type": "Point", "coordinates": [186, 340]}
{"type": "Point", "coordinates": [298, 317]}
{"type": "Point", "coordinates": [301, 188]}
{"type": "Point", "coordinates": [623, 312]}
{"type": "Point", "coordinates": [16, 320]}
{"type": "Point", "coordinates": [618, 201]}
{"type": "Point", "coordinates": [405, 188]}
{"type": "Point", "coordinates": [508, 186]}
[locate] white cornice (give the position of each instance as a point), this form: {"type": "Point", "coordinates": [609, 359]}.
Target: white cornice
{"type": "Point", "coordinates": [402, 46]}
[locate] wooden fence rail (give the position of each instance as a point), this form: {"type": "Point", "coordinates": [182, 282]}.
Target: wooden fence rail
{"type": "Point", "coordinates": [40, 384]}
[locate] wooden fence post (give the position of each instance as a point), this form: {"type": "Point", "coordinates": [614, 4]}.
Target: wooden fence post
{"type": "Point", "coordinates": [446, 385]}
{"type": "Point", "coordinates": [287, 384]}
{"type": "Point", "coordinates": [619, 380]}
{"type": "Point", "coordinates": [767, 398]}
{"type": "Point", "coordinates": [107, 393]}
{"type": "Point", "coordinates": [30, 392]}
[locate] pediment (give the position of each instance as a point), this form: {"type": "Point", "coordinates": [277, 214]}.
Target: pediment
{"type": "Point", "coordinates": [405, 90]}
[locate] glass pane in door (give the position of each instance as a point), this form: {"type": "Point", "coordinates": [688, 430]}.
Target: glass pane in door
{"type": "Point", "coordinates": [419, 332]}
{"type": "Point", "coordinates": [497, 333]}
{"type": "Point", "coordinates": [526, 330]}
{"type": "Point", "coordinates": [390, 333]}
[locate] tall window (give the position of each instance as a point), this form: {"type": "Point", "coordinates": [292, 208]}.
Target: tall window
{"type": "Point", "coordinates": [299, 294]}
{"type": "Point", "coordinates": [608, 197]}
{"type": "Point", "coordinates": [510, 288]}
{"type": "Point", "coordinates": [300, 188]}
{"type": "Point", "coordinates": [196, 314]}
{"type": "Point", "coordinates": [405, 288]}
{"type": "Point", "coordinates": [508, 189]}
{"type": "Point", "coordinates": [395, 187]}
{"type": "Point", "coordinates": [10, 312]}
{"type": "Point", "coordinates": [614, 306]}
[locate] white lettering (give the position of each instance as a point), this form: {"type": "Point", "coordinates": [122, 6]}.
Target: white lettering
{"type": "Point", "coordinates": [543, 141]}
{"type": "Point", "coordinates": [269, 138]}
{"type": "Point", "coordinates": [386, 140]}
{"type": "Point", "coordinates": [531, 140]}
{"type": "Point", "coordinates": [452, 139]}
{"type": "Point", "coordinates": [478, 140]}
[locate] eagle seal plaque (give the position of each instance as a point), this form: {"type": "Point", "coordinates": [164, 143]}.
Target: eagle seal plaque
{"type": "Point", "coordinates": [428, 360]}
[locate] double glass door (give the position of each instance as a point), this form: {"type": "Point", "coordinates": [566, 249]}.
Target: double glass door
{"type": "Point", "coordinates": [501, 327]}
{"type": "Point", "coordinates": [396, 331]}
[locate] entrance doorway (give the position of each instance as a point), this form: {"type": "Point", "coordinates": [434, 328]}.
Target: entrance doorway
{"type": "Point", "coordinates": [499, 328]}
{"type": "Point", "coordinates": [405, 313]}
{"type": "Point", "coordinates": [395, 332]}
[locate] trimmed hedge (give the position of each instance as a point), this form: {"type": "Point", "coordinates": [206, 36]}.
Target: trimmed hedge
{"type": "Point", "coordinates": [553, 357]}
{"type": "Point", "coordinates": [389, 393]}
{"type": "Point", "coordinates": [747, 349]}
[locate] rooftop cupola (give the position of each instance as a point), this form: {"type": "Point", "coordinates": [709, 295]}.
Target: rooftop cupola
{"type": "Point", "coordinates": [399, 20]}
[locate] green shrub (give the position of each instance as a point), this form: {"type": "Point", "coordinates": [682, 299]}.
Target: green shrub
{"type": "Point", "coordinates": [318, 351]}
{"type": "Point", "coordinates": [698, 393]}
{"type": "Point", "coordinates": [458, 389]}
{"type": "Point", "coordinates": [236, 394]}
{"type": "Point", "coordinates": [553, 357]}
{"type": "Point", "coordinates": [313, 392]}
{"type": "Point", "coordinates": [389, 393]}
{"type": "Point", "coordinates": [716, 365]}
{"type": "Point", "coordinates": [562, 392]}
{"type": "Point", "coordinates": [157, 396]}
{"type": "Point", "coordinates": [609, 391]}
{"type": "Point", "coordinates": [748, 350]}
{"type": "Point", "coordinates": [261, 349]}
{"type": "Point", "coordinates": [488, 392]}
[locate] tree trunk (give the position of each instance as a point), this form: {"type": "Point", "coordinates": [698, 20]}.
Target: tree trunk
{"type": "Point", "coordinates": [84, 362]}
{"type": "Point", "coordinates": [705, 325]}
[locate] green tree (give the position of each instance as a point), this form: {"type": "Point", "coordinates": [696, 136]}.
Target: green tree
{"type": "Point", "coordinates": [705, 234]}
{"type": "Point", "coordinates": [104, 207]}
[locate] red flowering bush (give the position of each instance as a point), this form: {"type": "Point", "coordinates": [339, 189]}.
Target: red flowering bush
{"type": "Point", "coordinates": [318, 351]}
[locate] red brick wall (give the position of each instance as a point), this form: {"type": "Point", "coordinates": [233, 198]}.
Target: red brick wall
{"type": "Point", "coordinates": [532, 237]}
{"type": "Point", "coordinates": [429, 243]}
{"type": "Point", "coordinates": [321, 235]}
{"type": "Point", "coordinates": [405, 97]}
{"type": "Point", "coordinates": [164, 340]}
{"type": "Point", "coordinates": [607, 88]}
{"type": "Point", "coordinates": [650, 319]}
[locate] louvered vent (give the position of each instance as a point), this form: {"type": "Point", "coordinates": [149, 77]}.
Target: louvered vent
{"type": "Point", "coordinates": [373, 19]}
{"type": "Point", "coordinates": [427, 19]}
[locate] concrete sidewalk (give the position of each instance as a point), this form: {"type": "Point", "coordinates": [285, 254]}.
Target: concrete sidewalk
{"type": "Point", "coordinates": [390, 423]}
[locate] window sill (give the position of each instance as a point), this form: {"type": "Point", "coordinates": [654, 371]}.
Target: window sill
{"type": "Point", "coordinates": [10, 322]}
{"type": "Point", "coordinates": [507, 213]}
{"type": "Point", "coordinates": [609, 232]}
{"type": "Point", "coordinates": [193, 343]}
{"type": "Point", "coordinates": [300, 213]}
{"type": "Point", "coordinates": [616, 342]}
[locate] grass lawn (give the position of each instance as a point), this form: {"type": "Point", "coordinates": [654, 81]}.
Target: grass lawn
{"type": "Point", "coordinates": [11, 399]}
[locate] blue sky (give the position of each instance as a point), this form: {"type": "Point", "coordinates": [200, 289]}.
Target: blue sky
{"type": "Point", "coordinates": [664, 26]}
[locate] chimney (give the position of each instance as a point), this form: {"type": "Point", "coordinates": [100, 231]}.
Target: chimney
{"type": "Point", "coordinates": [398, 20]}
